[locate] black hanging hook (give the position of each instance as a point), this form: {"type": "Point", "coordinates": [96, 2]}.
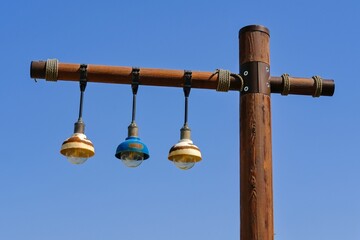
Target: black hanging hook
{"type": "Point", "coordinates": [187, 88]}
{"type": "Point", "coordinates": [135, 76]}
{"type": "Point", "coordinates": [83, 82]}
{"type": "Point", "coordinates": [187, 82]}
{"type": "Point", "coordinates": [83, 77]}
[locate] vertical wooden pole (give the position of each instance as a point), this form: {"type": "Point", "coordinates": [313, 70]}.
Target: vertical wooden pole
{"type": "Point", "coordinates": [256, 193]}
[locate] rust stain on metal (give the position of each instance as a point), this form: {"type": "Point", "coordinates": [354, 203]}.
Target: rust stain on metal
{"type": "Point", "coordinates": [136, 145]}
{"type": "Point", "coordinates": [76, 139]}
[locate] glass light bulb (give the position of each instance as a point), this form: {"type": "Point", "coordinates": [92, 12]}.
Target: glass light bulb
{"type": "Point", "coordinates": [132, 159]}
{"type": "Point", "coordinates": [76, 160]}
{"type": "Point", "coordinates": [77, 155]}
{"type": "Point", "coordinates": [184, 162]}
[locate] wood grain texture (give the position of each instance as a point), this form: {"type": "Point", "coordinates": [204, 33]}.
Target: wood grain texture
{"type": "Point", "coordinates": [122, 75]}
{"type": "Point", "coordinates": [302, 86]}
{"type": "Point", "coordinates": [256, 189]}
{"type": "Point", "coordinates": [170, 78]}
{"type": "Point", "coordinates": [256, 193]}
{"type": "Point", "coordinates": [254, 47]}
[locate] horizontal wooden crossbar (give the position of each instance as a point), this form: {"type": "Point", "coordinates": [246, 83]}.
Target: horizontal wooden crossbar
{"type": "Point", "coordinates": [171, 78]}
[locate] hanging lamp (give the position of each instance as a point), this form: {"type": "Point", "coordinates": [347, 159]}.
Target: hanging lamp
{"type": "Point", "coordinates": [133, 151]}
{"type": "Point", "coordinates": [77, 148]}
{"type": "Point", "coordinates": [185, 153]}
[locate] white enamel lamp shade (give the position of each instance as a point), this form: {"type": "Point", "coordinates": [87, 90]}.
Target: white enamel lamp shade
{"type": "Point", "coordinates": [185, 154]}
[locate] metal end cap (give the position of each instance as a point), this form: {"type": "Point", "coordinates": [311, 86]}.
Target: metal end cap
{"type": "Point", "coordinates": [77, 146]}
{"type": "Point", "coordinates": [254, 28]}
{"type": "Point", "coordinates": [185, 147]}
{"type": "Point", "coordinates": [132, 144]}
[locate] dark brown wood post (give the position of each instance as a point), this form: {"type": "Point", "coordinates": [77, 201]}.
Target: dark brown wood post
{"type": "Point", "coordinates": [256, 191]}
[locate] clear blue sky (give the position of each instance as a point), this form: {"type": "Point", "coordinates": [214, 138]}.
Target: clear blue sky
{"type": "Point", "coordinates": [315, 141]}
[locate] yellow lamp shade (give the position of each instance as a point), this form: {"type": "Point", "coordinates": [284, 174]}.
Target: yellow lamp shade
{"type": "Point", "coordinates": [77, 148]}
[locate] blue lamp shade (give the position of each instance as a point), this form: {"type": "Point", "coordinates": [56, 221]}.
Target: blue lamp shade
{"type": "Point", "coordinates": [132, 151]}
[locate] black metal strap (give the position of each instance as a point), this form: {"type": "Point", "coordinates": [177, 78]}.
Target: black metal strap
{"type": "Point", "coordinates": [187, 82]}
{"type": "Point", "coordinates": [83, 77]}
{"type": "Point", "coordinates": [135, 76]}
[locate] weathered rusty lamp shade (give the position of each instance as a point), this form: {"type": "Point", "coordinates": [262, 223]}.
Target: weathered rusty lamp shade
{"type": "Point", "coordinates": [184, 154]}
{"type": "Point", "coordinates": [77, 148]}
{"type": "Point", "coordinates": [132, 152]}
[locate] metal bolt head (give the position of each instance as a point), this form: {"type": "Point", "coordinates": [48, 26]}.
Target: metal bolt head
{"type": "Point", "coordinates": [246, 73]}
{"type": "Point", "coordinates": [246, 88]}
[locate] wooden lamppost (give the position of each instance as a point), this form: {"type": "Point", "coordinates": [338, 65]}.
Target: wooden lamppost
{"type": "Point", "coordinates": [255, 86]}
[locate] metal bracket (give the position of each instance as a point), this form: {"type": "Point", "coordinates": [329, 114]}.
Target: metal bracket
{"type": "Point", "coordinates": [187, 82]}
{"type": "Point", "coordinates": [135, 73]}
{"type": "Point", "coordinates": [256, 77]}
